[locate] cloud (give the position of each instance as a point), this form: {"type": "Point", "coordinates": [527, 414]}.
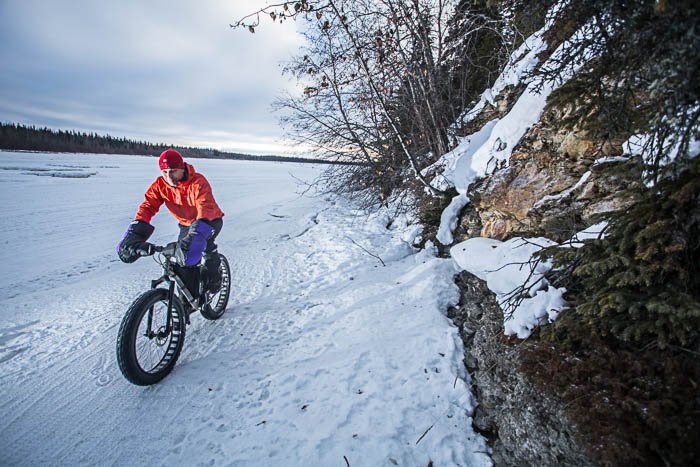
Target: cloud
{"type": "Point", "coordinates": [168, 69]}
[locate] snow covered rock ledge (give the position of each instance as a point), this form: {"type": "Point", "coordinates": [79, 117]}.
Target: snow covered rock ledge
{"type": "Point", "coordinates": [509, 270]}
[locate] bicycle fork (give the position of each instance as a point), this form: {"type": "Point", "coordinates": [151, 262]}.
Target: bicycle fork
{"type": "Point", "coordinates": [150, 333]}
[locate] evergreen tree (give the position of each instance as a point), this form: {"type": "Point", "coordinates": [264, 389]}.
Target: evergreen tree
{"type": "Point", "coordinates": [642, 280]}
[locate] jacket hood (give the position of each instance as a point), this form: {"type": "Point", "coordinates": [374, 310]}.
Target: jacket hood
{"type": "Point", "coordinates": [189, 172]}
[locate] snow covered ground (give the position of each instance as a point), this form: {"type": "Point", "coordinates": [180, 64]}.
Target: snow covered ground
{"type": "Point", "coordinates": [324, 356]}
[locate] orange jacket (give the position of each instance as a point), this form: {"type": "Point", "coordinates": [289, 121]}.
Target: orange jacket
{"type": "Point", "coordinates": [190, 200]}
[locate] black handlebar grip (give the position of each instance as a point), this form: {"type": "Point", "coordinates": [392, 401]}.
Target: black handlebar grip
{"type": "Point", "coordinates": [146, 249]}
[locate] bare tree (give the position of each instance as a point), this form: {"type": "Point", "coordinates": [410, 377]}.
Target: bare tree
{"type": "Point", "coordinates": [378, 80]}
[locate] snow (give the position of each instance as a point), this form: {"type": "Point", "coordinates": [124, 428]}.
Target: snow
{"type": "Point", "coordinates": [609, 160]}
{"type": "Point", "coordinates": [505, 266]}
{"type": "Point", "coordinates": [448, 219]}
{"type": "Point", "coordinates": [521, 62]}
{"type": "Point", "coordinates": [594, 232]}
{"type": "Point", "coordinates": [456, 164]}
{"type": "Point", "coordinates": [508, 266]}
{"type": "Point", "coordinates": [323, 354]}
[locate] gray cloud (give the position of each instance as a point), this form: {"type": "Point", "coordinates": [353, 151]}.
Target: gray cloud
{"type": "Point", "coordinates": [170, 71]}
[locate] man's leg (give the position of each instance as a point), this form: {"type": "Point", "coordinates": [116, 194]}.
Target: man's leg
{"type": "Point", "coordinates": [189, 275]}
{"type": "Point", "coordinates": [211, 258]}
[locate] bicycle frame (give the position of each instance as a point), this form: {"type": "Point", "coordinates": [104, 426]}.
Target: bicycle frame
{"type": "Point", "coordinates": [173, 281]}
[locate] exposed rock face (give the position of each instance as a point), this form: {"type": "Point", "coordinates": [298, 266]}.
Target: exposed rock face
{"type": "Point", "coordinates": [524, 425]}
{"type": "Point", "coordinates": [552, 185]}
{"type": "Point", "coordinates": [469, 222]}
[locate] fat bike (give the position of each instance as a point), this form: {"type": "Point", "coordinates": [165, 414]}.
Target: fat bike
{"type": "Point", "coordinates": [152, 332]}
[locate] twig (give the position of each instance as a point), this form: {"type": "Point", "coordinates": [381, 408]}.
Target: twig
{"type": "Point", "coordinates": [490, 368]}
{"type": "Point", "coordinates": [367, 251]}
{"type": "Point", "coordinates": [308, 185]}
{"type": "Point", "coordinates": [514, 263]}
{"type": "Point", "coordinates": [528, 242]}
{"type": "Point", "coordinates": [426, 432]}
{"type": "Point", "coordinates": [675, 347]}
{"type": "Point", "coordinates": [576, 399]}
{"type": "Point", "coordinates": [346, 461]}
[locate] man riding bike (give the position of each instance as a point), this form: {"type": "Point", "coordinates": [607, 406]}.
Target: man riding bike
{"type": "Point", "coordinates": [188, 196]}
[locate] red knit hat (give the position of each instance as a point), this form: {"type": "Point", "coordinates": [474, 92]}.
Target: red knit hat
{"type": "Point", "coordinates": [171, 159]}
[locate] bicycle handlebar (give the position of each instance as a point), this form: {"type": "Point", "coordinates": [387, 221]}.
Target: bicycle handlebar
{"type": "Point", "coordinates": [167, 250]}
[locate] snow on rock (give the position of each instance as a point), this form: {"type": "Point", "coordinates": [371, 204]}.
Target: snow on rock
{"type": "Point", "coordinates": [522, 61]}
{"type": "Point", "coordinates": [564, 194]}
{"type": "Point", "coordinates": [456, 165]}
{"type": "Point", "coordinates": [482, 152]}
{"type": "Point", "coordinates": [594, 232]}
{"type": "Point", "coordinates": [505, 267]}
{"type": "Point", "coordinates": [448, 219]}
{"type": "Point", "coordinates": [491, 147]}
{"type": "Point", "coordinates": [609, 160]}
{"type": "Point", "coordinates": [323, 355]}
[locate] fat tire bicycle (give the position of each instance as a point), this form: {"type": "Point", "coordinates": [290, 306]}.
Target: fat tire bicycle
{"type": "Point", "coordinates": [152, 332]}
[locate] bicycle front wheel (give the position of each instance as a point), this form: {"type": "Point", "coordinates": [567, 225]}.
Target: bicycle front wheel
{"type": "Point", "coordinates": [147, 347]}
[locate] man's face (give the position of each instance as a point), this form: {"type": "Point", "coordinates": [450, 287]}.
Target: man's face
{"type": "Point", "coordinates": [173, 176]}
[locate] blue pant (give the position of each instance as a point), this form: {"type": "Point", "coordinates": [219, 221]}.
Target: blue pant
{"type": "Point", "coordinates": [212, 277]}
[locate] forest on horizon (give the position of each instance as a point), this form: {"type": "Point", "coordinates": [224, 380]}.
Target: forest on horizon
{"type": "Point", "coordinates": [30, 138]}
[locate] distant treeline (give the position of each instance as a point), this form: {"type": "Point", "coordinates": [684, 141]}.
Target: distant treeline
{"type": "Point", "coordinates": [30, 138]}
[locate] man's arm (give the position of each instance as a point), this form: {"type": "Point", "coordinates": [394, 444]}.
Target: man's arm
{"type": "Point", "coordinates": [150, 205]}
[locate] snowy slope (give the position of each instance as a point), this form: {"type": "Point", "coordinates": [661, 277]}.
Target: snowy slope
{"type": "Point", "coordinates": [324, 357]}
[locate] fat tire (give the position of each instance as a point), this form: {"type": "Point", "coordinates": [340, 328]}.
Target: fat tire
{"type": "Point", "coordinates": [218, 306]}
{"type": "Point", "coordinates": [126, 341]}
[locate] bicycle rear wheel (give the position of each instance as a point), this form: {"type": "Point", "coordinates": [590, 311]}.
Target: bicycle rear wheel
{"type": "Point", "coordinates": [218, 302]}
{"type": "Point", "coordinates": [146, 350]}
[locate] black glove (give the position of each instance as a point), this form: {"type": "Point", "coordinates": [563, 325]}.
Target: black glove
{"type": "Point", "coordinates": [134, 244]}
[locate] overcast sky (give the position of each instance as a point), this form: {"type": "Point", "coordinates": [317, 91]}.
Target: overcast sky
{"type": "Point", "coordinates": [164, 71]}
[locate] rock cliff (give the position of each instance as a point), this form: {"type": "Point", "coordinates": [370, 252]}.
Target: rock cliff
{"type": "Point", "coordinates": [524, 425]}
{"type": "Point", "coordinates": [569, 169]}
